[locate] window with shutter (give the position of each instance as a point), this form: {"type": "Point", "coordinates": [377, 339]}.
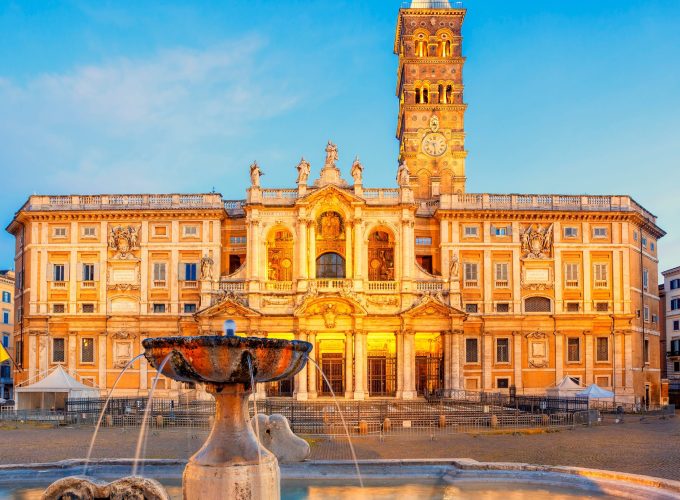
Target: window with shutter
{"type": "Point", "coordinates": [502, 275]}
{"type": "Point", "coordinates": [602, 349]}
{"type": "Point", "coordinates": [573, 350]}
{"type": "Point", "coordinates": [58, 350]}
{"type": "Point", "coordinates": [471, 279]}
{"type": "Point", "coordinates": [601, 275]}
{"type": "Point", "coordinates": [471, 354]}
{"type": "Point", "coordinates": [571, 279]}
{"type": "Point", "coordinates": [87, 350]}
{"type": "Point", "coordinates": [502, 350]}
{"type": "Point", "coordinates": [159, 274]}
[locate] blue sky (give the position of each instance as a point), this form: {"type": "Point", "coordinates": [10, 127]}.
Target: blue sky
{"type": "Point", "coordinates": [127, 96]}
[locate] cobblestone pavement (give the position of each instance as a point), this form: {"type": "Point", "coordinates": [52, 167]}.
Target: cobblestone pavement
{"type": "Point", "coordinates": [649, 445]}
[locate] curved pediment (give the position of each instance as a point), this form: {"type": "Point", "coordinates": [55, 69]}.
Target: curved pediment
{"type": "Point", "coordinates": [331, 196]}
{"type": "Point", "coordinates": [317, 304]}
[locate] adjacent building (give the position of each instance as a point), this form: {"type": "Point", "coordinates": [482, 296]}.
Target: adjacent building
{"type": "Point", "coordinates": [670, 305]}
{"type": "Point", "coordinates": [404, 292]}
{"type": "Point", "coordinates": [7, 332]}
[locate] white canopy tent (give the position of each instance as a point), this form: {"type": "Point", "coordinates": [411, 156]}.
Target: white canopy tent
{"type": "Point", "coordinates": [566, 388]}
{"type": "Point", "coordinates": [594, 391]}
{"type": "Point", "coordinates": [51, 392]}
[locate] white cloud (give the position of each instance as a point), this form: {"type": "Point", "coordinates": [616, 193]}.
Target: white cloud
{"type": "Point", "coordinates": [124, 124]}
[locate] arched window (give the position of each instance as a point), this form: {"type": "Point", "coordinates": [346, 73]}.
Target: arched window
{"type": "Point", "coordinates": [418, 95]}
{"type": "Point", "coordinates": [537, 304]}
{"type": "Point", "coordinates": [446, 48]}
{"type": "Point", "coordinates": [330, 265]}
{"type": "Point", "coordinates": [425, 95]}
{"type": "Point", "coordinates": [380, 256]}
{"type": "Point", "coordinates": [280, 255]}
{"type": "Point", "coordinates": [442, 94]}
{"type": "Point", "coordinates": [449, 94]}
{"type": "Point", "coordinates": [421, 47]}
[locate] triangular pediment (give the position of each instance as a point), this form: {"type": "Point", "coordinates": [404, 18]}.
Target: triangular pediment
{"type": "Point", "coordinates": [229, 305]}
{"type": "Point", "coordinates": [431, 305]}
{"type": "Point", "coordinates": [331, 195]}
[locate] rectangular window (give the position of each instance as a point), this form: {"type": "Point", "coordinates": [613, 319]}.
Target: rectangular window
{"type": "Point", "coordinates": [189, 308]}
{"type": "Point", "coordinates": [573, 349]}
{"type": "Point", "coordinates": [159, 274]}
{"type": "Point", "coordinates": [160, 230]}
{"type": "Point", "coordinates": [570, 232]}
{"type": "Point", "coordinates": [601, 272]}
{"type": "Point", "coordinates": [675, 304]}
{"type": "Point", "coordinates": [88, 272]}
{"type": "Point", "coordinates": [7, 297]}
{"type": "Point", "coordinates": [190, 271]}
{"type": "Point", "coordinates": [471, 308]}
{"type": "Point", "coordinates": [59, 232]}
{"type": "Point", "coordinates": [502, 307]}
{"type": "Point", "coordinates": [571, 275]}
{"type": "Point", "coordinates": [237, 240]}
{"type": "Point", "coordinates": [58, 350]}
{"type": "Point", "coordinates": [676, 325]}
{"type": "Point", "coordinates": [471, 355]}
{"type": "Point", "coordinates": [635, 235]}
{"type": "Point", "coordinates": [645, 279]}
{"type": "Point", "coordinates": [502, 350]}
{"type": "Point", "coordinates": [675, 284]}
{"type": "Point", "coordinates": [646, 314]}
{"type": "Point", "coordinates": [602, 381]}
{"type": "Point", "coordinates": [423, 240]}
{"type": "Point", "coordinates": [471, 231]}
{"type": "Point", "coordinates": [58, 272]}
{"type": "Point", "coordinates": [502, 275]}
{"type": "Point", "coordinates": [58, 308]}
{"type": "Point", "coordinates": [5, 340]}
{"type": "Point", "coordinates": [190, 230]}
{"type": "Point", "coordinates": [602, 306]}
{"type": "Point", "coordinates": [676, 366]}
{"type": "Point", "coordinates": [655, 318]}
{"type": "Point", "coordinates": [599, 232]}
{"type": "Point", "coordinates": [90, 232]}
{"type": "Point", "coordinates": [87, 350]}
{"type": "Point", "coordinates": [471, 278]}
{"type": "Point", "coordinates": [602, 349]}
{"type": "Point", "coordinates": [652, 246]}
{"type": "Point", "coordinates": [88, 308]}
{"type": "Point", "coordinates": [159, 308]}
{"type": "Point", "coordinates": [644, 241]}
{"type": "Point", "coordinates": [502, 383]}
{"type": "Point", "coordinates": [500, 231]}
{"type": "Point", "coordinates": [573, 307]}
{"type": "Point", "coordinates": [646, 351]}
{"type": "Point", "coordinates": [5, 317]}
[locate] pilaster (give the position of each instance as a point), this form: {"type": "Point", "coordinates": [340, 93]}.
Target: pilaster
{"type": "Point", "coordinates": [588, 339]}
{"type": "Point", "coordinates": [487, 360]}
{"type": "Point", "coordinates": [559, 356]}
{"type": "Point", "coordinates": [517, 359]}
{"type": "Point", "coordinates": [301, 376]}
{"type": "Point", "coordinates": [409, 365]}
{"type": "Point", "coordinates": [359, 354]}
{"type": "Point", "coordinates": [311, 369]}
{"type": "Point", "coordinates": [349, 383]}
{"type": "Point", "coordinates": [101, 359]}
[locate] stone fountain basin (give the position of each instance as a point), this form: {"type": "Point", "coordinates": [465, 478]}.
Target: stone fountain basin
{"type": "Point", "coordinates": [216, 359]}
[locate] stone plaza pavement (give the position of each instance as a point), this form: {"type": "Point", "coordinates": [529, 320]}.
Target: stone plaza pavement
{"type": "Point", "coordinates": [647, 445]}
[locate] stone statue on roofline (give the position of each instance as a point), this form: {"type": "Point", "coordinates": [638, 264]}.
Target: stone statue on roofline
{"type": "Point", "coordinates": [303, 169]}
{"type": "Point", "coordinates": [357, 171]}
{"type": "Point", "coordinates": [403, 175]}
{"type": "Point", "coordinates": [255, 174]}
{"type": "Point", "coordinates": [331, 154]}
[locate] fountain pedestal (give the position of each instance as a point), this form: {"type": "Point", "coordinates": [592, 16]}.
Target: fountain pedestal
{"type": "Point", "coordinates": [231, 464]}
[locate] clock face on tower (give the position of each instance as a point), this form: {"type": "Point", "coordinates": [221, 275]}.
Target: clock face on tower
{"type": "Point", "coordinates": [434, 144]}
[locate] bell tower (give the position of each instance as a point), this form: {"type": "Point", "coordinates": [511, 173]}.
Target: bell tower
{"type": "Point", "coordinates": [430, 126]}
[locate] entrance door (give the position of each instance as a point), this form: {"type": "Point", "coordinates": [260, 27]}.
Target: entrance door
{"type": "Point", "coordinates": [333, 366]}
{"type": "Point", "coordinates": [428, 375]}
{"type": "Point", "coordinates": [381, 376]}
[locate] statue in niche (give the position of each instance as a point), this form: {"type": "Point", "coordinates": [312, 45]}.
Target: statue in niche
{"type": "Point", "coordinates": [536, 242]}
{"type": "Point", "coordinates": [453, 267]}
{"type": "Point", "coordinates": [255, 174]}
{"type": "Point", "coordinates": [357, 171]}
{"type": "Point", "coordinates": [206, 268]}
{"type": "Point", "coordinates": [303, 169]}
{"type": "Point", "coordinates": [331, 154]}
{"type": "Point", "coordinates": [403, 175]}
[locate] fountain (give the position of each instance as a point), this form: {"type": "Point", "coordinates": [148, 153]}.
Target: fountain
{"type": "Point", "coordinates": [232, 463]}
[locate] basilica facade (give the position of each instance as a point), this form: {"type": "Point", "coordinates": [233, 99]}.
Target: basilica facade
{"type": "Point", "coordinates": [403, 291]}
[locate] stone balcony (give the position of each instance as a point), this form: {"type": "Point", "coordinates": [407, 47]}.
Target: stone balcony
{"type": "Point", "coordinates": [550, 202]}
{"type": "Point", "coordinates": [123, 202]}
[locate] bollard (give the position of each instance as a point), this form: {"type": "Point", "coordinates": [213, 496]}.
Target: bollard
{"type": "Point", "coordinates": [363, 427]}
{"type": "Point", "coordinates": [387, 425]}
{"type": "Point", "coordinates": [494, 421]}
{"type": "Point", "coordinates": [442, 420]}
{"type": "Point", "coordinates": [159, 420]}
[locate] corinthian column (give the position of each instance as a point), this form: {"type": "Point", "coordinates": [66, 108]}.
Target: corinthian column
{"type": "Point", "coordinates": [409, 366]}
{"type": "Point", "coordinates": [359, 364]}
{"type": "Point", "coordinates": [311, 369]}
{"type": "Point", "coordinates": [349, 386]}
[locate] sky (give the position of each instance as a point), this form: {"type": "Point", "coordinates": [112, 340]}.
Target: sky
{"type": "Point", "coordinates": [127, 96]}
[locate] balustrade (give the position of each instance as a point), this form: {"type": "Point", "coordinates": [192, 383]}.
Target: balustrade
{"type": "Point", "coordinates": [279, 286]}
{"type": "Point", "coordinates": [386, 286]}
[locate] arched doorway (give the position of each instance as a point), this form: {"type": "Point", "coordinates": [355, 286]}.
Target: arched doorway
{"type": "Point", "coordinates": [330, 265]}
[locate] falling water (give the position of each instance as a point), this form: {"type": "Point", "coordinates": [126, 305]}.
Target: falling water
{"type": "Point", "coordinates": [147, 410]}
{"type": "Point", "coordinates": [253, 385]}
{"type": "Point", "coordinates": [101, 414]}
{"type": "Point", "coordinates": [342, 417]}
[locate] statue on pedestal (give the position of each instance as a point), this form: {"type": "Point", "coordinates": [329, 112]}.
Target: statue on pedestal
{"type": "Point", "coordinates": [303, 169]}
{"type": "Point", "coordinates": [357, 171]}
{"type": "Point", "coordinates": [255, 174]}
